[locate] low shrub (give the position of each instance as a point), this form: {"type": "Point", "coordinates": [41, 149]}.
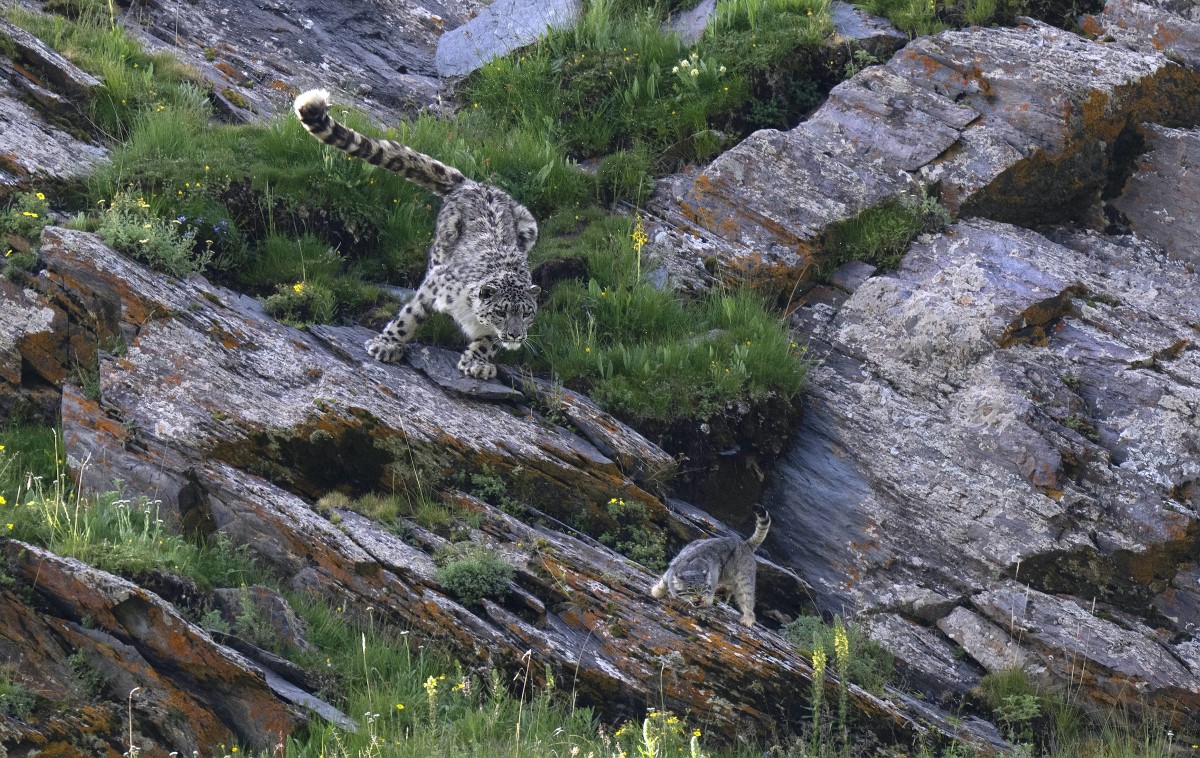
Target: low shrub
{"type": "Point", "coordinates": [475, 574]}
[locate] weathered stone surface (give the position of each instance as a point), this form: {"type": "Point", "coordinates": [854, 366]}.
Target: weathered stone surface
{"type": "Point", "coordinates": [1161, 197]}
{"type": "Point", "coordinates": [1001, 405]}
{"type": "Point", "coordinates": [1104, 658]}
{"type": "Point", "coordinates": [34, 154]}
{"type": "Point", "coordinates": [1154, 25]}
{"type": "Point", "coordinates": [195, 694]}
{"type": "Point", "coordinates": [648, 464]}
{"type": "Point", "coordinates": [378, 55]}
{"type": "Point", "coordinates": [441, 366]}
{"type": "Point", "coordinates": [990, 645]}
{"type": "Point", "coordinates": [238, 397]}
{"type": "Point", "coordinates": [690, 23]}
{"type": "Point", "coordinates": [865, 31]}
{"type": "Point", "coordinates": [57, 70]}
{"type": "Point", "coordinates": [926, 662]}
{"type": "Point", "coordinates": [33, 352]}
{"type": "Point", "coordinates": [499, 29]}
{"type": "Point", "coordinates": [1016, 124]}
{"type": "Point", "coordinates": [268, 608]}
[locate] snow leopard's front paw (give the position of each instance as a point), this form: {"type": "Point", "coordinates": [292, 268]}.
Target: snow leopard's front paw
{"type": "Point", "coordinates": [385, 350]}
{"type": "Point", "coordinates": [476, 367]}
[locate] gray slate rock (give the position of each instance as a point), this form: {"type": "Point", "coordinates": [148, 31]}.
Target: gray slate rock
{"type": "Point", "coordinates": [1150, 25]}
{"type": "Point", "coordinates": [1000, 405]}
{"type": "Point", "coordinates": [690, 24]}
{"type": "Point", "coordinates": [1002, 120]}
{"type": "Point", "coordinates": [865, 31]}
{"type": "Point", "coordinates": [1161, 198]}
{"type": "Point", "coordinates": [376, 55]}
{"type": "Point", "coordinates": [499, 29]}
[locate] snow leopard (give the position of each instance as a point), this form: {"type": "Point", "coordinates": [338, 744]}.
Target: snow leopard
{"type": "Point", "coordinates": [717, 564]}
{"type": "Point", "coordinates": [478, 269]}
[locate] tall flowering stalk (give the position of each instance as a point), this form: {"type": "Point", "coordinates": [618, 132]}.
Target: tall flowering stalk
{"type": "Point", "coordinates": [818, 689]}
{"type": "Point", "coordinates": [841, 647]}
{"type": "Point", "coordinates": [640, 238]}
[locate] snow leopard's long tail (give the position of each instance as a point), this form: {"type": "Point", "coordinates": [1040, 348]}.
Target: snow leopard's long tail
{"type": "Point", "coordinates": [313, 109]}
{"type": "Point", "coordinates": [762, 522]}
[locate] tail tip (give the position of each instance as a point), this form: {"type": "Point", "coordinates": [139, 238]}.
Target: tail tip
{"type": "Point", "coordinates": [314, 99]}
{"type": "Point", "coordinates": [761, 514]}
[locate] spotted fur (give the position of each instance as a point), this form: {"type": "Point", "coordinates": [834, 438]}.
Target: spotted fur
{"type": "Point", "coordinates": [717, 564]}
{"type": "Point", "coordinates": [478, 269]}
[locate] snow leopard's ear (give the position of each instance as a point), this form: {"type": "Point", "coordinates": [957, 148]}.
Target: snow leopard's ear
{"type": "Point", "coordinates": [486, 292]}
{"type": "Point", "coordinates": [527, 230]}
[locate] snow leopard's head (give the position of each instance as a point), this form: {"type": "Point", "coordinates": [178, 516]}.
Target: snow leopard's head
{"type": "Point", "coordinates": [507, 303]}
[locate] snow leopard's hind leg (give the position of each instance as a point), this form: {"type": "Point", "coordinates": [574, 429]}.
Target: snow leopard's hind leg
{"type": "Point", "coordinates": [389, 346]}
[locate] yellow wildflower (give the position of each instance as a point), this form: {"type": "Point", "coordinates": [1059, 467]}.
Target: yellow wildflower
{"type": "Point", "coordinates": [841, 644]}
{"type": "Point", "coordinates": [39, 196]}
{"type": "Point", "coordinates": [29, 214]}
{"type": "Point", "coordinates": [298, 287]}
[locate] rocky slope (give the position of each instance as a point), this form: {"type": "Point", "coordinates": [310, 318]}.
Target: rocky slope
{"type": "Point", "coordinates": [247, 416]}
{"type": "Point", "coordinates": [996, 466]}
{"type": "Point", "coordinates": [1000, 451]}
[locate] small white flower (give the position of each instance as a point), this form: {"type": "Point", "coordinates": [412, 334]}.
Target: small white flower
{"type": "Point", "coordinates": [721, 70]}
{"type": "Point", "coordinates": [695, 72]}
{"type": "Point", "coordinates": [685, 63]}
{"type": "Point", "coordinates": [675, 70]}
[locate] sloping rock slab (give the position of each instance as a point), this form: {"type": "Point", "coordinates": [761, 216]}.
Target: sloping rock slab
{"type": "Point", "coordinates": [1013, 124]}
{"type": "Point", "coordinates": [33, 352]}
{"type": "Point", "coordinates": [499, 29]}
{"type": "Point", "coordinates": [34, 154]}
{"type": "Point", "coordinates": [1002, 405]}
{"type": "Point", "coordinates": [1154, 25]}
{"type": "Point", "coordinates": [196, 694]}
{"type": "Point", "coordinates": [1161, 198]}
{"type": "Point", "coordinates": [331, 418]}
{"type": "Point", "coordinates": [63, 75]}
{"type": "Point", "coordinates": [1120, 655]}
{"type": "Point", "coordinates": [580, 607]}
{"type": "Point", "coordinates": [377, 54]}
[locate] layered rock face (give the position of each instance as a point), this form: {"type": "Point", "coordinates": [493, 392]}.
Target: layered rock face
{"type": "Point", "coordinates": [1004, 426]}
{"type": "Point", "coordinates": [1020, 125]}
{"type": "Point", "coordinates": [247, 415]}
{"type": "Point", "coordinates": [1001, 446]}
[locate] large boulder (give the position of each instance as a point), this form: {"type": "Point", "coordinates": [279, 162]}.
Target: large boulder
{"type": "Point", "coordinates": [1008, 411]}
{"type": "Point", "coordinates": [41, 147]}
{"type": "Point", "coordinates": [1016, 124]}
{"type": "Point", "coordinates": [103, 656]}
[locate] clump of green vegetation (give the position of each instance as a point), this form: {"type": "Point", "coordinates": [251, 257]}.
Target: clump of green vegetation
{"type": "Point", "coordinates": [128, 226]}
{"type": "Point", "coordinates": [648, 353]}
{"type": "Point", "coordinates": [881, 234]}
{"type": "Point", "coordinates": [867, 663]}
{"type": "Point", "coordinates": [15, 701]}
{"type": "Point", "coordinates": [25, 215]}
{"type": "Point", "coordinates": [388, 509]}
{"type": "Point", "coordinates": [136, 83]}
{"type": "Point", "coordinates": [622, 82]}
{"type": "Point", "coordinates": [471, 573]}
{"type": "Point", "coordinates": [38, 505]}
{"type": "Point", "coordinates": [635, 537]}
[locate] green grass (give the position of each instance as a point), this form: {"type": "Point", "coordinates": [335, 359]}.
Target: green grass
{"type": "Point", "coordinates": [881, 235]}
{"type": "Point", "coordinates": [621, 82]}
{"type": "Point", "coordinates": [124, 536]}
{"type": "Point", "coordinates": [135, 82]}
{"type": "Point", "coordinates": [648, 353]}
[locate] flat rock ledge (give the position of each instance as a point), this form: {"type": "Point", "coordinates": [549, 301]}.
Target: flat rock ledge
{"type": "Point", "coordinates": [1015, 124]}
{"type": "Point", "coordinates": [240, 403]}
